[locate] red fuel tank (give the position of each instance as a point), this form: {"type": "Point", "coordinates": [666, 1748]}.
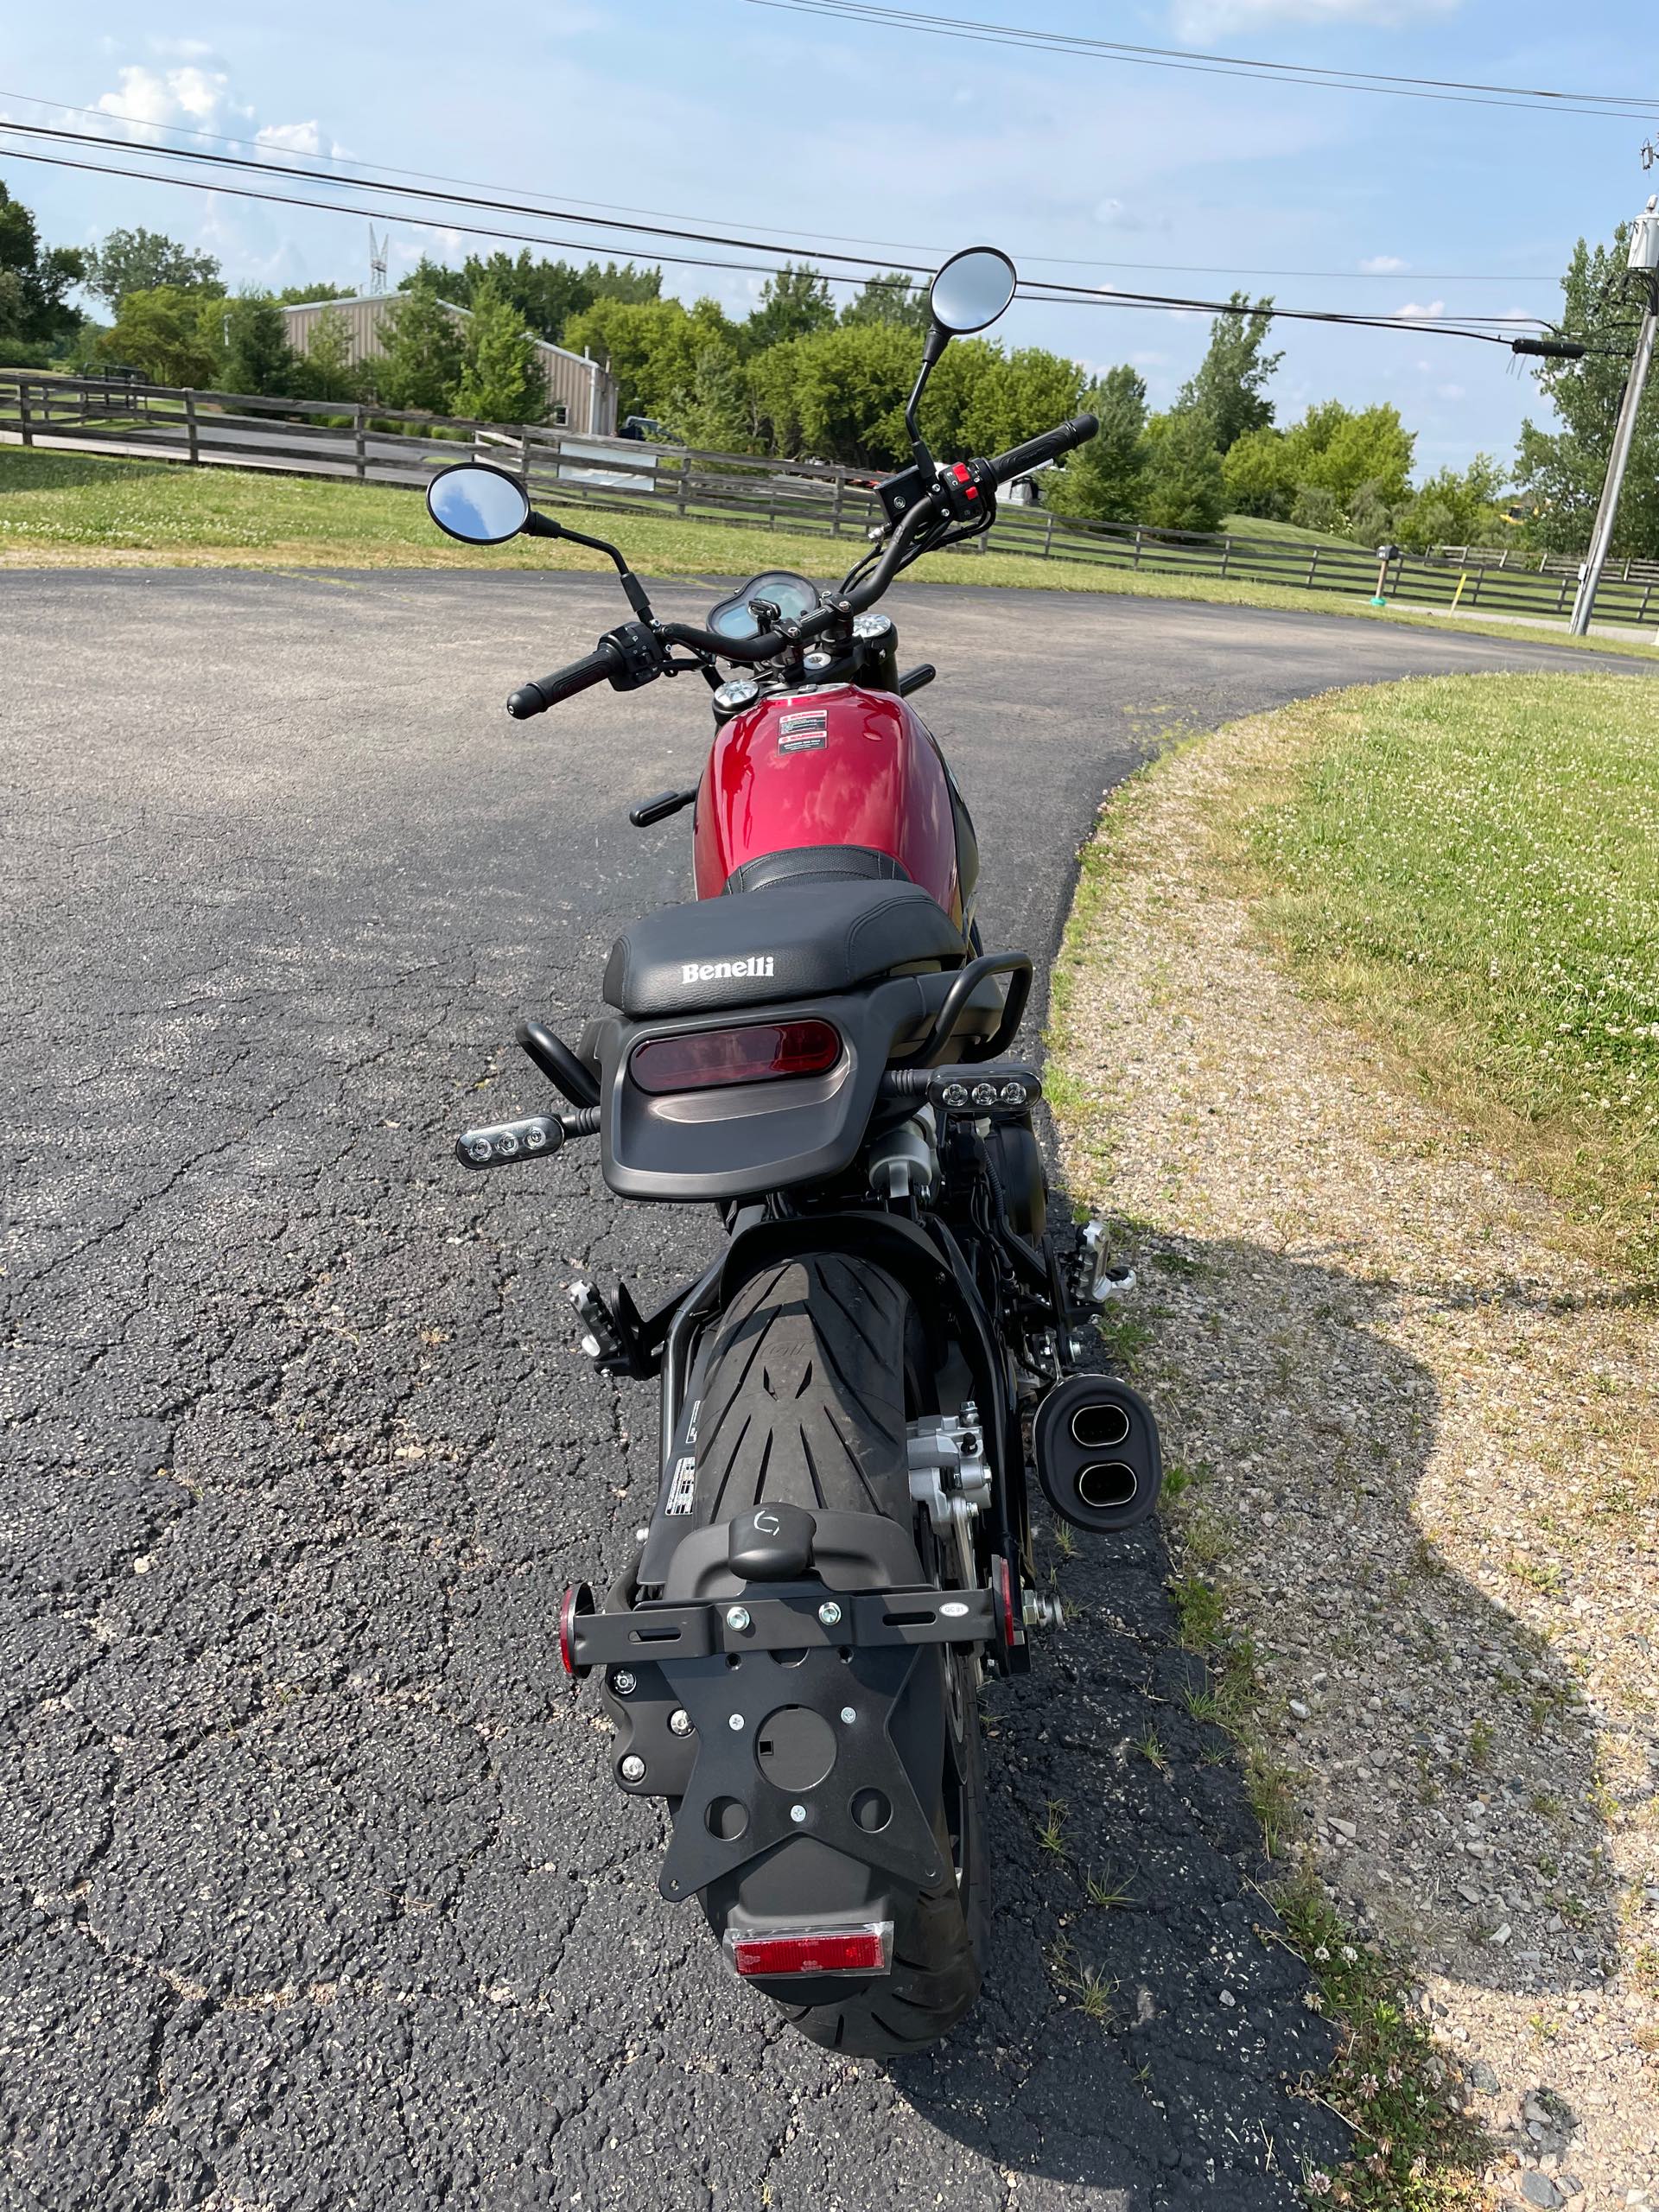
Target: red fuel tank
{"type": "Point", "coordinates": [837, 767]}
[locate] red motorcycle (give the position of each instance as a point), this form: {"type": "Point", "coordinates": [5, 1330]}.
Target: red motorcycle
{"type": "Point", "coordinates": [854, 1394]}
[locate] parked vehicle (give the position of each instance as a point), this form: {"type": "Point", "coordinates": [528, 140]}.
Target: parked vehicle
{"type": "Point", "coordinates": [855, 1392]}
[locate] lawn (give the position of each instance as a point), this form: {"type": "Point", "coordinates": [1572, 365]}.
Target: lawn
{"type": "Point", "coordinates": [59, 509]}
{"type": "Point", "coordinates": [1467, 868]}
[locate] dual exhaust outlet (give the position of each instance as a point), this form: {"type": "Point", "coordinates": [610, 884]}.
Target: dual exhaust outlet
{"type": "Point", "coordinates": [1096, 1445]}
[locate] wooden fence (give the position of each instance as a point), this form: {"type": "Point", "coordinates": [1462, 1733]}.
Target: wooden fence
{"type": "Point", "coordinates": [373, 444]}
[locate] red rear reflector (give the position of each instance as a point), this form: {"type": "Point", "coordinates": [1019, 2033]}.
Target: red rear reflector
{"type": "Point", "coordinates": [825, 1950]}
{"type": "Point", "coordinates": [755, 1053]}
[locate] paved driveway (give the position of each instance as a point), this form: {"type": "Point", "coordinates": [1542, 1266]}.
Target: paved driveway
{"type": "Point", "coordinates": [315, 1890]}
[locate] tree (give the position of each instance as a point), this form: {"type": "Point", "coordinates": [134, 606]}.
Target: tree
{"type": "Point", "coordinates": [1564, 469]}
{"type": "Point", "coordinates": [148, 261]}
{"type": "Point", "coordinates": [251, 339]}
{"type": "Point", "coordinates": [652, 348]}
{"type": "Point", "coordinates": [33, 314]}
{"type": "Point", "coordinates": [840, 395]}
{"type": "Point", "coordinates": [325, 370]}
{"type": "Point", "coordinates": [1184, 480]}
{"type": "Point", "coordinates": [1333, 449]}
{"type": "Point", "coordinates": [1456, 507]}
{"type": "Point", "coordinates": [795, 303]}
{"type": "Point", "coordinates": [892, 298]}
{"type": "Point", "coordinates": [1105, 479]}
{"type": "Point", "coordinates": [1228, 386]}
{"type": "Point", "coordinates": [421, 362]}
{"type": "Point", "coordinates": [295, 295]}
{"type": "Point", "coordinates": [1370, 514]}
{"type": "Point", "coordinates": [1314, 508]}
{"type": "Point", "coordinates": [501, 379]}
{"type": "Point", "coordinates": [160, 333]}
{"type": "Point", "coordinates": [545, 294]}
{"type": "Point", "coordinates": [1259, 476]}
{"type": "Point", "coordinates": [980, 400]}
{"type": "Point", "coordinates": [716, 409]}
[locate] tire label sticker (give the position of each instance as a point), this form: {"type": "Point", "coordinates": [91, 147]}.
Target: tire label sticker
{"type": "Point", "coordinates": [681, 1490]}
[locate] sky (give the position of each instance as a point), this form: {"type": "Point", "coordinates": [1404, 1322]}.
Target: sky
{"type": "Point", "coordinates": [727, 114]}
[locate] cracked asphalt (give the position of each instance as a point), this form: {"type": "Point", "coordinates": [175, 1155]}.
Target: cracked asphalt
{"type": "Point", "coordinates": [315, 1890]}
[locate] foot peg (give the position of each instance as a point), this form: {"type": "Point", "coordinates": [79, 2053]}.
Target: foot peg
{"type": "Point", "coordinates": [615, 1336]}
{"type": "Point", "coordinates": [1093, 1281]}
{"type": "Point", "coordinates": [1096, 1444]}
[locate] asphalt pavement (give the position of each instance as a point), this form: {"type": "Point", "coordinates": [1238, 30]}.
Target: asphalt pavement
{"type": "Point", "coordinates": [315, 1891]}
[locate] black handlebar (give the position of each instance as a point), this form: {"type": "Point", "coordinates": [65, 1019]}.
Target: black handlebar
{"type": "Point", "coordinates": [596, 667]}
{"type": "Point", "coordinates": [608, 662]}
{"type": "Point", "coordinates": [1049, 447]}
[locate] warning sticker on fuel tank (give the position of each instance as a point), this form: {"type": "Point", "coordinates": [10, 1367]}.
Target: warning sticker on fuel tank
{"type": "Point", "coordinates": [803, 733]}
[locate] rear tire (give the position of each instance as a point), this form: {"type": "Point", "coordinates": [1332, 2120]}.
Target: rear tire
{"type": "Point", "coordinates": [803, 1401]}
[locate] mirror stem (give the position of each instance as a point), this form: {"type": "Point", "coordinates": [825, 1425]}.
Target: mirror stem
{"type": "Point", "coordinates": [938, 339]}
{"type": "Point", "coordinates": [545, 526]}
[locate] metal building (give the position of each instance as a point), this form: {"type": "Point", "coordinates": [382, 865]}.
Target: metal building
{"type": "Point", "coordinates": [581, 396]}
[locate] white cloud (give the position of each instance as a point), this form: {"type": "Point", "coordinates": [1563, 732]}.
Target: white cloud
{"type": "Point", "coordinates": [292, 138]}
{"type": "Point", "coordinates": [1449, 391]}
{"type": "Point", "coordinates": [1416, 311]}
{"type": "Point", "coordinates": [1383, 264]}
{"type": "Point", "coordinates": [152, 100]}
{"type": "Point", "coordinates": [1196, 20]}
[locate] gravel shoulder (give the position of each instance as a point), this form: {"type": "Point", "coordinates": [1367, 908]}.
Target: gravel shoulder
{"type": "Point", "coordinates": [1416, 1424]}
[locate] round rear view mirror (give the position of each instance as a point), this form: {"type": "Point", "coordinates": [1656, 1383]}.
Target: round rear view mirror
{"type": "Point", "coordinates": [480, 506]}
{"type": "Point", "coordinates": [972, 290]}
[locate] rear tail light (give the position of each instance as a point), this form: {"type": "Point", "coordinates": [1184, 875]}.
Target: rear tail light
{"type": "Point", "coordinates": [867, 1948]}
{"type": "Point", "coordinates": [757, 1053]}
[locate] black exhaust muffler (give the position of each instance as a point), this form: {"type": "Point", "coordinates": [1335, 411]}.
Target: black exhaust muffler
{"type": "Point", "coordinates": [1098, 1460]}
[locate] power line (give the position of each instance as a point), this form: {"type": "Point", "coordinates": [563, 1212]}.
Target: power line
{"type": "Point", "coordinates": [356, 174]}
{"type": "Point", "coordinates": [1052, 290]}
{"type": "Point", "coordinates": [1069, 296]}
{"type": "Point", "coordinates": [1530, 98]}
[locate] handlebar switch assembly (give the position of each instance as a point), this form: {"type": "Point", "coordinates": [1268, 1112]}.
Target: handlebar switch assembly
{"type": "Point", "coordinates": [642, 655]}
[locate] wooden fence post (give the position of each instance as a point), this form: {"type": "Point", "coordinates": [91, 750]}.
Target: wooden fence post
{"type": "Point", "coordinates": [23, 412]}
{"type": "Point", "coordinates": [360, 441]}
{"type": "Point", "coordinates": [835, 512]}
{"type": "Point", "coordinates": [1048, 535]}
{"type": "Point", "coordinates": [1312, 569]}
{"type": "Point", "coordinates": [192, 436]}
{"type": "Point", "coordinates": [1136, 562]}
{"type": "Point", "coordinates": [1226, 553]}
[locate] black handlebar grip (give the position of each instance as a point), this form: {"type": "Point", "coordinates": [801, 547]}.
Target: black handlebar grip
{"type": "Point", "coordinates": [1052, 444]}
{"type": "Point", "coordinates": [581, 675]}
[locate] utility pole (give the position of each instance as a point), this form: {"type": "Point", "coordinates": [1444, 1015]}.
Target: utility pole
{"type": "Point", "coordinates": [1644, 264]}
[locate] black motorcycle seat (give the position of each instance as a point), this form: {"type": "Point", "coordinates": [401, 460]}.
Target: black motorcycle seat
{"type": "Point", "coordinates": [796, 862]}
{"type": "Point", "coordinates": [796, 939]}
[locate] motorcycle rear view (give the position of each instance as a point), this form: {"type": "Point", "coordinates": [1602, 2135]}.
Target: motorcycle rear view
{"type": "Point", "coordinates": [854, 1393]}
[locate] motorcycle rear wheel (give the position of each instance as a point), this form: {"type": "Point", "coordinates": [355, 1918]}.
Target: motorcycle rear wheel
{"type": "Point", "coordinates": [803, 1401]}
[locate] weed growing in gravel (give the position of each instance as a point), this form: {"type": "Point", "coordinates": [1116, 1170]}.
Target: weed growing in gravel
{"type": "Point", "coordinates": [1051, 1835]}
{"type": "Point", "coordinates": [1105, 1896]}
{"type": "Point", "coordinates": [1151, 1749]}
{"type": "Point", "coordinates": [1199, 1611]}
{"type": "Point", "coordinates": [1413, 2149]}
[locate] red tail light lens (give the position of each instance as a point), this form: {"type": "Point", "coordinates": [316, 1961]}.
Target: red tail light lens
{"type": "Point", "coordinates": [755, 1053]}
{"type": "Point", "coordinates": [866, 1949]}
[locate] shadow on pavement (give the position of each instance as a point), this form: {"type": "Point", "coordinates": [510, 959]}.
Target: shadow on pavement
{"type": "Point", "coordinates": [1158, 2049]}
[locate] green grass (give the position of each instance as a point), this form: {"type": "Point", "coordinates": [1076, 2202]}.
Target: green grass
{"type": "Point", "coordinates": [1467, 868]}
{"type": "Point", "coordinates": [1287, 533]}
{"type": "Point", "coordinates": [89, 511]}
